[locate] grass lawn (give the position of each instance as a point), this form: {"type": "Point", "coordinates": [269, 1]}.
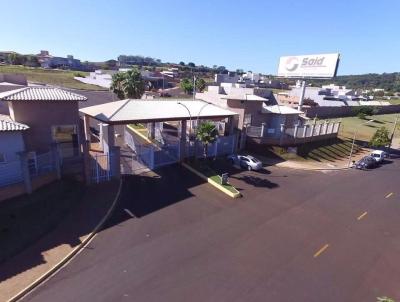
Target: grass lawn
{"type": "Point", "coordinates": [394, 101]}
{"type": "Point", "coordinates": [64, 78]}
{"type": "Point", "coordinates": [335, 150]}
{"type": "Point", "coordinates": [25, 219]}
{"type": "Point", "coordinates": [204, 168]}
{"type": "Point", "coordinates": [365, 132]}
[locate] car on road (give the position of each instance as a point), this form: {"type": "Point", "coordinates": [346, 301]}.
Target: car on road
{"type": "Point", "coordinates": [367, 162]}
{"type": "Point", "coordinates": [379, 155]}
{"type": "Point", "coordinates": [245, 161]}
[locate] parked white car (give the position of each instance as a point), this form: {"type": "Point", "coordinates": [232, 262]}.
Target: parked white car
{"type": "Point", "coordinates": [245, 161]}
{"type": "Point", "coordinates": [379, 155]}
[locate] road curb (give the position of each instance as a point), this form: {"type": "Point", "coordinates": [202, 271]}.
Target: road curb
{"type": "Point", "coordinates": [71, 254]}
{"type": "Point", "coordinates": [212, 182]}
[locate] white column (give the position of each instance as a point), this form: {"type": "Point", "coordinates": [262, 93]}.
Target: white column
{"type": "Point", "coordinates": [296, 129]}
{"type": "Point", "coordinates": [305, 130]}
{"type": "Point", "coordinates": [262, 129]}
{"type": "Point", "coordinates": [86, 127]}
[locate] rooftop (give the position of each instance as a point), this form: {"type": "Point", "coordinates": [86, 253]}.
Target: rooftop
{"type": "Point", "coordinates": [280, 109]}
{"type": "Point", "coordinates": [132, 111]}
{"type": "Point", "coordinates": [40, 94]}
{"type": "Point", "coordinates": [7, 124]}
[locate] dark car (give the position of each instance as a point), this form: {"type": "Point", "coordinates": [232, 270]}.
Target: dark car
{"type": "Point", "coordinates": [367, 162]}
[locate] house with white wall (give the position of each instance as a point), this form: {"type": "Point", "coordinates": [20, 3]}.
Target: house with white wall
{"type": "Point", "coordinates": [11, 145]}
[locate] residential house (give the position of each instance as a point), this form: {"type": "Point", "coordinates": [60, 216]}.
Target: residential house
{"type": "Point", "coordinates": [262, 120]}
{"type": "Point", "coordinates": [51, 114]}
{"type": "Point", "coordinates": [11, 144]}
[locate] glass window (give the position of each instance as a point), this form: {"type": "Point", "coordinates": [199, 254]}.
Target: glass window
{"type": "Point", "coordinates": [63, 133]}
{"type": "Point", "coordinates": [2, 158]}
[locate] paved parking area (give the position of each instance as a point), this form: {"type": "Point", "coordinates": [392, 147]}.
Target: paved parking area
{"type": "Point", "coordinates": [294, 236]}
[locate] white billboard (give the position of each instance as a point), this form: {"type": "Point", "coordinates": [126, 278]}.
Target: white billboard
{"type": "Point", "coordinates": [309, 66]}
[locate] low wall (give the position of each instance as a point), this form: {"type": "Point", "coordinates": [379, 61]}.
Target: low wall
{"type": "Point", "coordinates": [333, 112]}
{"type": "Point", "coordinates": [19, 189]}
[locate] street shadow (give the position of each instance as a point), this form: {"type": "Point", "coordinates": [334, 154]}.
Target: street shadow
{"type": "Point", "coordinates": [149, 192]}
{"type": "Point", "coordinates": [256, 181]}
{"type": "Point", "coordinates": [25, 238]}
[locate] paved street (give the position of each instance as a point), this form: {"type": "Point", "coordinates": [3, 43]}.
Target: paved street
{"type": "Point", "coordinates": [294, 236]}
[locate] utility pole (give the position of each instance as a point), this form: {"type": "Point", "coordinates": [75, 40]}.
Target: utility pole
{"type": "Point", "coordinates": [394, 130]}
{"type": "Point", "coordinates": [194, 87]}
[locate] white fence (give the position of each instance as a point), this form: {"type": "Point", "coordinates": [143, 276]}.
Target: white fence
{"type": "Point", "coordinates": [169, 152]}
{"type": "Point", "coordinates": [313, 130]}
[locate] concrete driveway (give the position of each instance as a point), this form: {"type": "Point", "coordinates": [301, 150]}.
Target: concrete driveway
{"type": "Point", "coordinates": [294, 236]}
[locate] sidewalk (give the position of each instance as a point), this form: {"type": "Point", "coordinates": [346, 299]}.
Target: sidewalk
{"type": "Point", "coordinates": [23, 269]}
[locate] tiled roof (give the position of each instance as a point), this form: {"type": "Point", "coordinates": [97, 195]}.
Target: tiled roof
{"type": "Point", "coordinates": [7, 124]}
{"type": "Point", "coordinates": [41, 94]}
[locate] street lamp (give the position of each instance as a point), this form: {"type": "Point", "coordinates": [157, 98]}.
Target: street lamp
{"type": "Point", "coordinates": [354, 138]}
{"type": "Point", "coordinates": [190, 118]}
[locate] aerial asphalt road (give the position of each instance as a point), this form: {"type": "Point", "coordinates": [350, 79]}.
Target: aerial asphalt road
{"type": "Point", "coordinates": [294, 236]}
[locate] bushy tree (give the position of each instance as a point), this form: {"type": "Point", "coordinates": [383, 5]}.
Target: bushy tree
{"type": "Point", "coordinates": [128, 84]}
{"type": "Point", "coordinates": [133, 84]}
{"type": "Point", "coordinates": [191, 64]}
{"type": "Point", "coordinates": [187, 85]}
{"type": "Point", "coordinates": [117, 85]}
{"type": "Point", "coordinates": [207, 134]}
{"type": "Point", "coordinates": [380, 138]}
{"type": "Point", "coordinates": [200, 84]}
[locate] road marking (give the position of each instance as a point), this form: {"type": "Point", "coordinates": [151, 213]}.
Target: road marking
{"type": "Point", "coordinates": [362, 216]}
{"type": "Point", "coordinates": [129, 213]}
{"type": "Point", "coordinates": [321, 250]}
{"type": "Point", "coordinates": [390, 194]}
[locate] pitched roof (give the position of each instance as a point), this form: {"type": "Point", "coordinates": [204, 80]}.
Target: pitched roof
{"type": "Point", "coordinates": [41, 94]}
{"type": "Point", "coordinates": [153, 110]}
{"type": "Point", "coordinates": [7, 124]}
{"type": "Point", "coordinates": [280, 109]}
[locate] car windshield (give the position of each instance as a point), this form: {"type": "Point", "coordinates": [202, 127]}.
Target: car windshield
{"type": "Point", "coordinates": [253, 159]}
{"type": "Point", "coordinates": [376, 155]}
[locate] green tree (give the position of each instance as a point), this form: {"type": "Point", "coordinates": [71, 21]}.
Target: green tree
{"type": "Point", "coordinates": [182, 63]}
{"type": "Point", "coordinates": [191, 64]}
{"type": "Point", "coordinates": [380, 139]}
{"type": "Point", "coordinates": [207, 134]}
{"type": "Point", "coordinates": [133, 85]}
{"type": "Point", "coordinates": [117, 84]}
{"type": "Point", "coordinates": [31, 61]}
{"type": "Point", "coordinates": [14, 58]}
{"type": "Point", "coordinates": [200, 84]}
{"type": "Point", "coordinates": [187, 85]}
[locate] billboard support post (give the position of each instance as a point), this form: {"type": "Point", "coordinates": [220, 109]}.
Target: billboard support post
{"type": "Point", "coordinates": [303, 91]}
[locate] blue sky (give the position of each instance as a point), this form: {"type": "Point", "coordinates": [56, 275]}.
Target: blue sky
{"type": "Point", "coordinates": [251, 35]}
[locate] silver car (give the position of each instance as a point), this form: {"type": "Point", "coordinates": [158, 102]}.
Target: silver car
{"type": "Point", "coordinates": [245, 161]}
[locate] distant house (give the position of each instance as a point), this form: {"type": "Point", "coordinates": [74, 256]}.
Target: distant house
{"type": "Point", "coordinates": [51, 114]}
{"type": "Point", "coordinates": [48, 61]}
{"type": "Point", "coordinates": [262, 120]}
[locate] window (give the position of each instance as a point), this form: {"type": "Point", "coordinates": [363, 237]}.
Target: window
{"type": "Point", "coordinates": [63, 133]}
{"type": "Point", "coordinates": [247, 119]}
{"type": "Point", "coordinates": [3, 159]}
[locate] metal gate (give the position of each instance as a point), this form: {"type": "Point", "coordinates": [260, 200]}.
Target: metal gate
{"type": "Point", "coordinates": [100, 167]}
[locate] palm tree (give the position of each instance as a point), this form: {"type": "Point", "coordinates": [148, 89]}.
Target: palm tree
{"type": "Point", "coordinates": [117, 84]}
{"type": "Point", "coordinates": [133, 85]}
{"type": "Point", "coordinates": [207, 134]}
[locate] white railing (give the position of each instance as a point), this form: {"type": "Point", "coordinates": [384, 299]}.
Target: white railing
{"type": "Point", "coordinates": [313, 130]}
